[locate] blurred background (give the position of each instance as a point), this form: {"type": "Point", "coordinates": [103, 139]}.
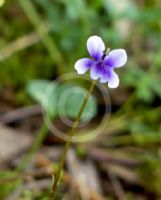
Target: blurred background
{"type": "Point", "coordinates": [41, 40]}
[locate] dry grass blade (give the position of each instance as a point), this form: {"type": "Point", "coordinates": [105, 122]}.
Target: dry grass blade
{"type": "Point", "coordinates": [123, 173]}
{"type": "Point", "coordinates": [19, 114]}
{"type": "Point", "coordinates": [21, 43]}
{"type": "Point", "coordinates": [86, 178]}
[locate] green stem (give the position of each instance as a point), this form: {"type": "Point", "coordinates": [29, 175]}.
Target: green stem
{"type": "Point", "coordinates": [35, 147]}
{"type": "Point", "coordinates": [67, 145]}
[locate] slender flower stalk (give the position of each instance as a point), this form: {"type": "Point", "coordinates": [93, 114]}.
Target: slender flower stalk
{"type": "Point", "coordinates": [101, 66]}
{"type": "Point", "coordinates": [67, 145]}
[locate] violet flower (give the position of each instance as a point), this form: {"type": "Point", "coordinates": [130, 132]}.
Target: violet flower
{"type": "Point", "coordinates": [102, 63]}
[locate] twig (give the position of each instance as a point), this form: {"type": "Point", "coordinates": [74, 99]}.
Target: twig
{"type": "Point", "coordinates": [19, 114]}
{"type": "Point", "coordinates": [100, 155]}
{"type": "Point", "coordinates": [116, 186]}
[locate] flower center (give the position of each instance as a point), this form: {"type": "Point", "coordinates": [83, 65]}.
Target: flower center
{"type": "Point", "coordinates": [104, 55]}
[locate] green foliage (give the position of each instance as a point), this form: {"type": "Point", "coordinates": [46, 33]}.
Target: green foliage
{"type": "Point", "coordinates": [8, 186]}
{"type": "Point", "coordinates": [27, 195]}
{"type": "Point", "coordinates": [150, 173]}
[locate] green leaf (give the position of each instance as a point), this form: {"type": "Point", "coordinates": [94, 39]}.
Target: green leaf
{"type": "Point", "coordinates": [74, 102]}
{"type": "Point", "coordinates": [36, 89]}
{"type": "Point", "coordinates": [39, 91]}
{"type": "Point", "coordinates": [63, 100]}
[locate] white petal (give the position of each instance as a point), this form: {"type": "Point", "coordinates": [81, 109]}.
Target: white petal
{"type": "Point", "coordinates": [83, 65]}
{"type": "Point", "coordinates": [95, 47]}
{"type": "Point", "coordinates": [116, 58]}
{"type": "Point", "coordinates": [113, 82]}
{"type": "Point", "coordinates": [95, 71]}
{"type": "Point", "coordinates": [105, 75]}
